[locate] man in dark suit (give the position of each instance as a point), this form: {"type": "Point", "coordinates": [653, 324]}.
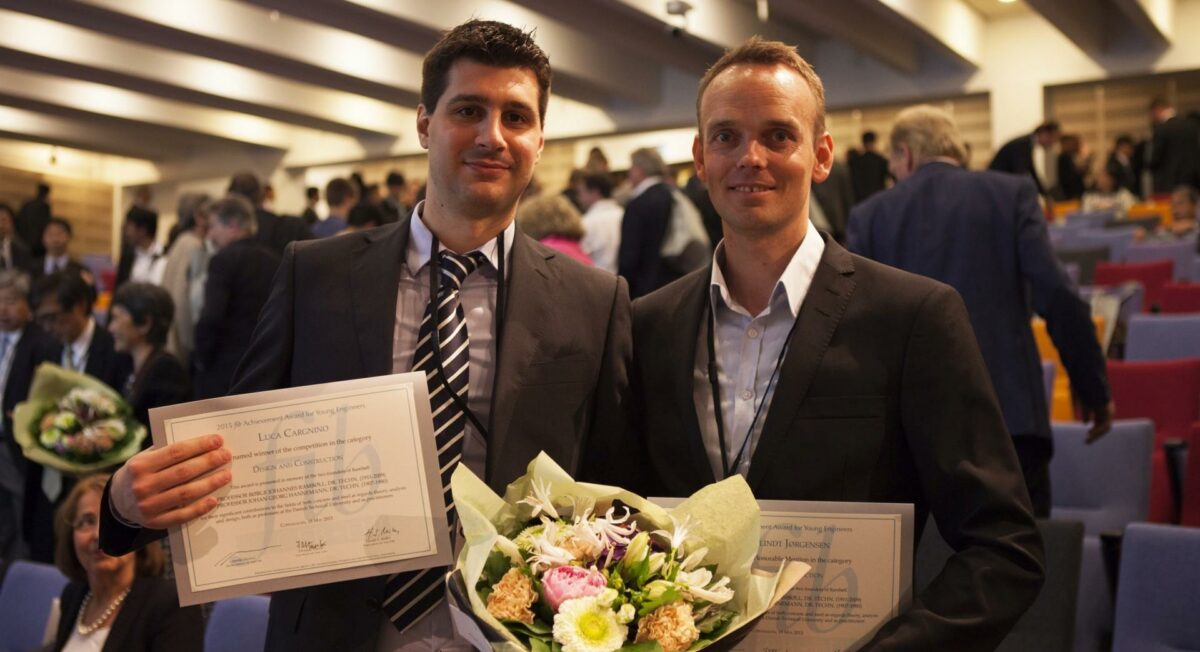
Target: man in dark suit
{"type": "Point", "coordinates": [547, 354]}
{"type": "Point", "coordinates": [1120, 165]}
{"type": "Point", "coordinates": [393, 207]}
{"type": "Point", "coordinates": [14, 253]}
{"type": "Point", "coordinates": [275, 231]}
{"type": "Point", "coordinates": [32, 219]}
{"type": "Point", "coordinates": [869, 169]}
{"type": "Point", "coordinates": [645, 225]}
{"type": "Point", "coordinates": [983, 234]}
{"type": "Point", "coordinates": [56, 240]}
{"type": "Point", "coordinates": [1174, 149]}
{"type": "Point", "coordinates": [1030, 155]}
{"type": "Point", "coordinates": [832, 377]}
{"type": "Point", "coordinates": [239, 280]}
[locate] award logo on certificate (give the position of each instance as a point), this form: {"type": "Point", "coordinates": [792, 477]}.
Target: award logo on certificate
{"type": "Point", "coordinates": [330, 483]}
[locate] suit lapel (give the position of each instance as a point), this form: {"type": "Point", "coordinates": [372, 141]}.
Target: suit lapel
{"type": "Point", "coordinates": [823, 307]}
{"type": "Point", "coordinates": [681, 361]}
{"type": "Point", "coordinates": [528, 297]}
{"type": "Point", "coordinates": [374, 279]}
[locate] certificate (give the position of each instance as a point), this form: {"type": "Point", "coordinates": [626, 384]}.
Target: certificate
{"type": "Point", "coordinates": [331, 482]}
{"type": "Point", "coordinates": [861, 577]}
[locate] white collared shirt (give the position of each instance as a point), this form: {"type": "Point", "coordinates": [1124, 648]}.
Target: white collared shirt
{"type": "Point", "coordinates": [55, 263]}
{"type": "Point", "coordinates": [602, 233]}
{"type": "Point", "coordinates": [75, 356]}
{"type": "Point", "coordinates": [478, 298]}
{"type": "Point", "coordinates": [148, 265]}
{"type": "Point", "coordinates": [748, 348]}
{"type": "Point", "coordinates": [644, 186]}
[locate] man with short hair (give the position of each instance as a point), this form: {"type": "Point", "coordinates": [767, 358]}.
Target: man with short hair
{"type": "Point", "coordinates": [983, 234]}
{"type": "Point", "coordinates": [601, 219]}
{"type": "Point", "coordinates": [149, 261]}
{"type": "Point", "coordinates": [819, 375]}
{"type": "Point", "coordinates": [275, 231]}
{"type": "Point", "coordinates": [239, 280]}
{"type": "Point", "coordinates": [1031, 155]}
{"type": "Point", "coordinates": [312, 196]}
{"type": "Point", "coordinates": [868, 169]}
{"type": "Point", "coordinates": [56, 239]}
{"type": "Point", "coordinates": [539, 365]}
{"type": "Point", "coordinates": [1120, 165]}
{"type": "Point", "coordinates": [645, 224]}
{"type": "Point", "coordinates": [393, 207]}
{"type": "Point", "coordinates": [1174, 158]}
{"type": "Point", "coordinates": [341, 196]}
{"type": "Point", "coordinates": [31, 220]}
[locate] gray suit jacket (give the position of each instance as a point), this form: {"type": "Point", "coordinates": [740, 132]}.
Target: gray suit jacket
{"type": "Point", "coordinates": [560, 382]}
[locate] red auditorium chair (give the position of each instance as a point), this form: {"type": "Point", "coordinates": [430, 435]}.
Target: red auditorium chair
{"type": "Point", "coordinates": [1167, 393]}
{"type": "Point", "coordinates": [1153, 277]}
{"type": "Point", "coordinates": [1190, 510]}
{"type": "Point", "coordinates": [1181, 297]}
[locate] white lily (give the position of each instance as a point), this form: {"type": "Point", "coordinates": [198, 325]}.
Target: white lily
{"type": "Point", "coordinates": [693, 560]}
{"type": "Point", "coordinates": [679, 534]}
{"type": "Point", "coordinates": [539, 499]}
{"type": "Point", "coordinates": [697, 585]}
{"type": "Point", "coordinates": [509, 549]}
{"type": "Point", "coordinates": [612, 529]}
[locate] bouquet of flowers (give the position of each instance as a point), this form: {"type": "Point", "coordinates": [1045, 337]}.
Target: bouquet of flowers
{"type": "Point", "coordinates": [558, 565]}
{"type": "Point", "coordinates": [74, 423]}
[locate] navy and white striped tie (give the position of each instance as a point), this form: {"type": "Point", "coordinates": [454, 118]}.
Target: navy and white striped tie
{"type": "Point", "coordinates": [411, 595]}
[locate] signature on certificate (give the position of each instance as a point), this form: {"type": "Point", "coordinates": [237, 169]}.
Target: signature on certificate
{"type": "Point", "coordinates": [379, 533]}
{"type": "Point", "coordinates": [310, 545]}
{"type": "Point", "coordinates": [244, 557]}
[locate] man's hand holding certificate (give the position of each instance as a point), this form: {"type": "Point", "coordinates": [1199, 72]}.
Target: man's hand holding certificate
{"type": "Point", "coordinates": [313, 485]}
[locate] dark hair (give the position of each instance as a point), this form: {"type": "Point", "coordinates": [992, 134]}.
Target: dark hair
{"type": "Point", "coordinates": [364, 216]}
{"type": "Point", "coordinates": [338, 190]}
{"type": "Point", "coordinates": [67, 287]}
{"type": "Point", "coordinates": [1124, 139]}
{"type": "Point", "coordinates": [761, 52]}
{"type": "Point", "coordinates": [394, 178]}
{"type": "Point", "coordinates": [8, 209]}
{"type": "Point", "coordinates": [147, 303]}
{"type": "Point", "coordinates": [143, 219]}
{"type": "Point", "coordinates": [233, 210]}
{"type": "Point", "coordinates": [312, 192]}
{"type": "Point", "coordinates": [599, 182]}
{"type": "Point", "coordinates": [869, 138]}
{"type": "Point", "coordinates": [150, 559]}
{"type": "Point", "coordinates": [247, 185]}
{"type": "Point", "coordinates": [488, 42]}
{"type": "Point", "coordinates": [1159, 103]}
{"type": "Point", "coordinates": [61, 222]}
{"type": "Point", "coordinates": [42, 190]}
{"type": "Point", "coordinates": [1047, 126]}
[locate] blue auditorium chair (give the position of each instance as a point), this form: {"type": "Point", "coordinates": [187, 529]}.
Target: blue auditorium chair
{"type": "Point", "coordinates": [237, 624]}
{"type": "Point", "coordinates": [25, 597]}
{"type": "Point", "coordinates": [1163, 337]}
{"type": "Point", "coordinates": [1158, 590]}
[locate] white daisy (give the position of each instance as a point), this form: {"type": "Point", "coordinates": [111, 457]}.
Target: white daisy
{"type": "Point", "coordinates": [585, 625]}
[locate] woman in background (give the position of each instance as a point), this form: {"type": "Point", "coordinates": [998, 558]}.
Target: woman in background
{"type": "Point", "coordinates": [553, 221]}
{"type": "Point", "coordinates": [139, 322]}
{"type": "Point", "coordinates": [114, 603]}
{"type": "Point", "coordinates": [187, 259]}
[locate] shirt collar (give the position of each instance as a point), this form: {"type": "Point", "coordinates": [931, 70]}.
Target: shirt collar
{"type": "Point", "coordinates": [645, 185]}
{"type": "Point", "coordinates": [792, 285]}
{"type": "Point", "coordinates": [420, 241]}
{"type": "Point", "coordinates": [85, 338]}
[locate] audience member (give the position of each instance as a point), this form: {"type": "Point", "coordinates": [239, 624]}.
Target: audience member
{"type": "Point", "coordinates": [14, 253]}
{"type": "Point", "coordinates": [312, 197]}
{"type": "Point", "coordinates": [1174, 149]}
{"type": "Point", "coordinates": [1108, 195]}
{"type": "Point", "coordinates": [141, 232]}
{"type": "Point", "coordinates": [1183, 226]}
{"type": "Point", "coordinates": [23, 346]}
{"type": "Point", "coordinates": [63, 305]}
{"type": "Point", "coordinates": [596, 161]}
{"type": "Point", "coordinates": [984, 235]}
{"type": "Point", "coordinates": [187, 260]}
{"type": "Point", "coordinates": [570, 191]}
{"type": "Point", "coordinates": [341, 196]}
{"type": "Point", "coordinates": [56, 241]}
{"type": "Point", "coordinates": [601, 219]}
{"type": "Point", "coordinates": [553, 221]}
{"type": "Point", "coordinates": [239, 280]}
{"type": "Point", "coordinates": [393, 207]}
{"type": "Point", "coordinates": [115, 603]}
{"type": "Point", "coordinates": [140, 206]}
{"type": "Point", "coordinates": [268, 197]}
{"type": "Point", "coordinates": [834, 199]}
{"type": "Point", "coordinates": [645, 225]}
{"type": "Point", "coordinates": [139, 322]}
{"type": "Point", "coordinates": [868, 169]}
{"type": "Point", "coordinates": [1031, 155]}
{"type": "Point", "coordinates": [1073, 165]}
{"type": "Point", "coordinates": [363, 217]}
{"type": "Point", "coordinates": [275, 231]}
{"type": "Point", "coordinates": [1120, 164]}
{"type": "Point", "coordinates": [697, 192]}
{"type": "Point", "coordinates": [32, 219]}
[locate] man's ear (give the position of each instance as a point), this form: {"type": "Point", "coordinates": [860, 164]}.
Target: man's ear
{"type": "Point", "coordinates": [824, 158]}
{"type": "Point", "coordinates": [698, 159]}
{"type": "Point", "coordinates": [423, 126]}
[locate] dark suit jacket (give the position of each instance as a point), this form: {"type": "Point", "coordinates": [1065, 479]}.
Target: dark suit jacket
{"type": "Point", "coordinates": [31, 220]}
{"type": "Point", "coordinates": [150, 619]}
{"type": "Point", "coordinates": [22, 257]}
{"type": "Point", "coordinates": [38, 267]}
{"type": "Point", "coordinates": [161, 381]}
{"type": "Point", "coordinates": [883, 397]}
{"type": "Point", "coordinates": [560, 383]}
{"type": "Point", "coordinates": [1071, 183]}
{"type": "Point", "coordinates": [1016, 157]}
{"type": "Point", "coordinates": [239, 280]}
{"type": "Point", "coordinates": [983, 234]}
{"type": "Point", "coordinates": [277, 231]}
{"type": "Point", "coordinates": [103, 361]}
{"type": "Point", "coordinates": [868, 173]}
{"type": "Point", "coordinates": [1175, 154]}
{"type": "Point", "coordinates": [647, 218]}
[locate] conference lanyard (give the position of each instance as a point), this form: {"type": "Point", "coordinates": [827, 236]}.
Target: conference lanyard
{"type": "Point", "coordinates": [727, 468]}
{"type": "Point", "coordinates": [435, 274]}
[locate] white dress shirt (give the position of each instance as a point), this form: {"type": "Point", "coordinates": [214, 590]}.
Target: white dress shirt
{"type": "Point", "coordinates": [75, 357]}
{"type": "Point", "coordinates": [748, 348]}
{"type": "Point", "coordinates": [602, 233]}
{"type": "Point", "coordinates": [148, 265]}
{"type": "Point", "coordinates": [478, 298]}
{"type": "Point", "coordinates": [55, 263]}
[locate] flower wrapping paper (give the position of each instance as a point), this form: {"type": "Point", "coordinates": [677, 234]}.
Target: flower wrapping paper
{"type": "Point", "coordinates": [724, 517]}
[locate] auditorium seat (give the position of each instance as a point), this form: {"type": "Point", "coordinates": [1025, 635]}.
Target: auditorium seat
{"type": "Point", "coordinates": [237, 624]}
{"type": "Point", "coordinates": [1181, 297]}
{"type": "Point", "coordinates": [1163, 337]}
{"type": "Point", "coordinates": [1158, 590]}
{"type": "Point", "coordinates": [1085, 257]}
{"type": "Point", "coordinates": [1153, 277]}
{"type": "Point", "coordinates": [1189, 511]}
{"type": "Point", "coordinates": [1116, 241]}
{"type": "Point", "coordinates": [1181, 255]}
{"type": "Point", "coordinates": [1091, 219]}
{"type": "Point", "coordinates": [1167, 393]}
{"type": "Point", "coordinates": [25, 597]}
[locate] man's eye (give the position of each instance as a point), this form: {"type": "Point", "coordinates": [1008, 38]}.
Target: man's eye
{"type": "Point", "coordinates": [468, 112]}
{"type": "Point", "coordinates": [517, 118]}
{"type": "Point", "coordinates": [722, 137]}
{"type": "Point", "coordinates": [780, 136]}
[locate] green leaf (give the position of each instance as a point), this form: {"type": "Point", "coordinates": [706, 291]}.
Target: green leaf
{"type": "Point", "coordinates": [714, 621]}
{"type": "Point", "coordinates": [494, 568]}
{"type": "Point", "coordinates": [648, 646]}
{"type": "Point", "coordinates": [670, 595]}
{"type": "Point", "coordinates": [537, 629]}
{"type": "Point", "coordinates": [538, 645]}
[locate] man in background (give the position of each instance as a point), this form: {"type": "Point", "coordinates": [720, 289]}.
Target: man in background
{"type": "Point", "coordinates": [341, 196]}
{"type": "Point", "coordinates": [149, 260]}
{"type": "Point", "coordinates": [1031, 155]}
{"type": "Point", "coordinates": [1174, 158]}
{"type": "Point", "coordinates": [868, 169]}
{"type": "Point", "coordinates": [312, 196]}
{"type": "Point", "coordinates": [32, 219]}
{"type": "Point", "coordinates": [601, 219]}
{"type": "Point", "coordinates": [275, 231]}
{"type": "Point", "coordinates": [393, 207]}
{"type": "Point", "coordinates": [56, 240]}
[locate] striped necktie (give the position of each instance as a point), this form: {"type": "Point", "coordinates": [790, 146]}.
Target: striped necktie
{"type": "Point", "coordinates": [412, 594]}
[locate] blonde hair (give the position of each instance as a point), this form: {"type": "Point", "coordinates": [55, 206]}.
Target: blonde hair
{"type": "Point", "coordinates": [548, 215]}
{"type": "Point", "coordinates": [759, 51]}
{"type": "Point", "coordinates": [929, 133]}
{"type": "Point", "coordinates": [150, 559]}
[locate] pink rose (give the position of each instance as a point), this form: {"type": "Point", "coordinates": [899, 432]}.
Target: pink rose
{"type": "Point", "coordinates": [569, 582]}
